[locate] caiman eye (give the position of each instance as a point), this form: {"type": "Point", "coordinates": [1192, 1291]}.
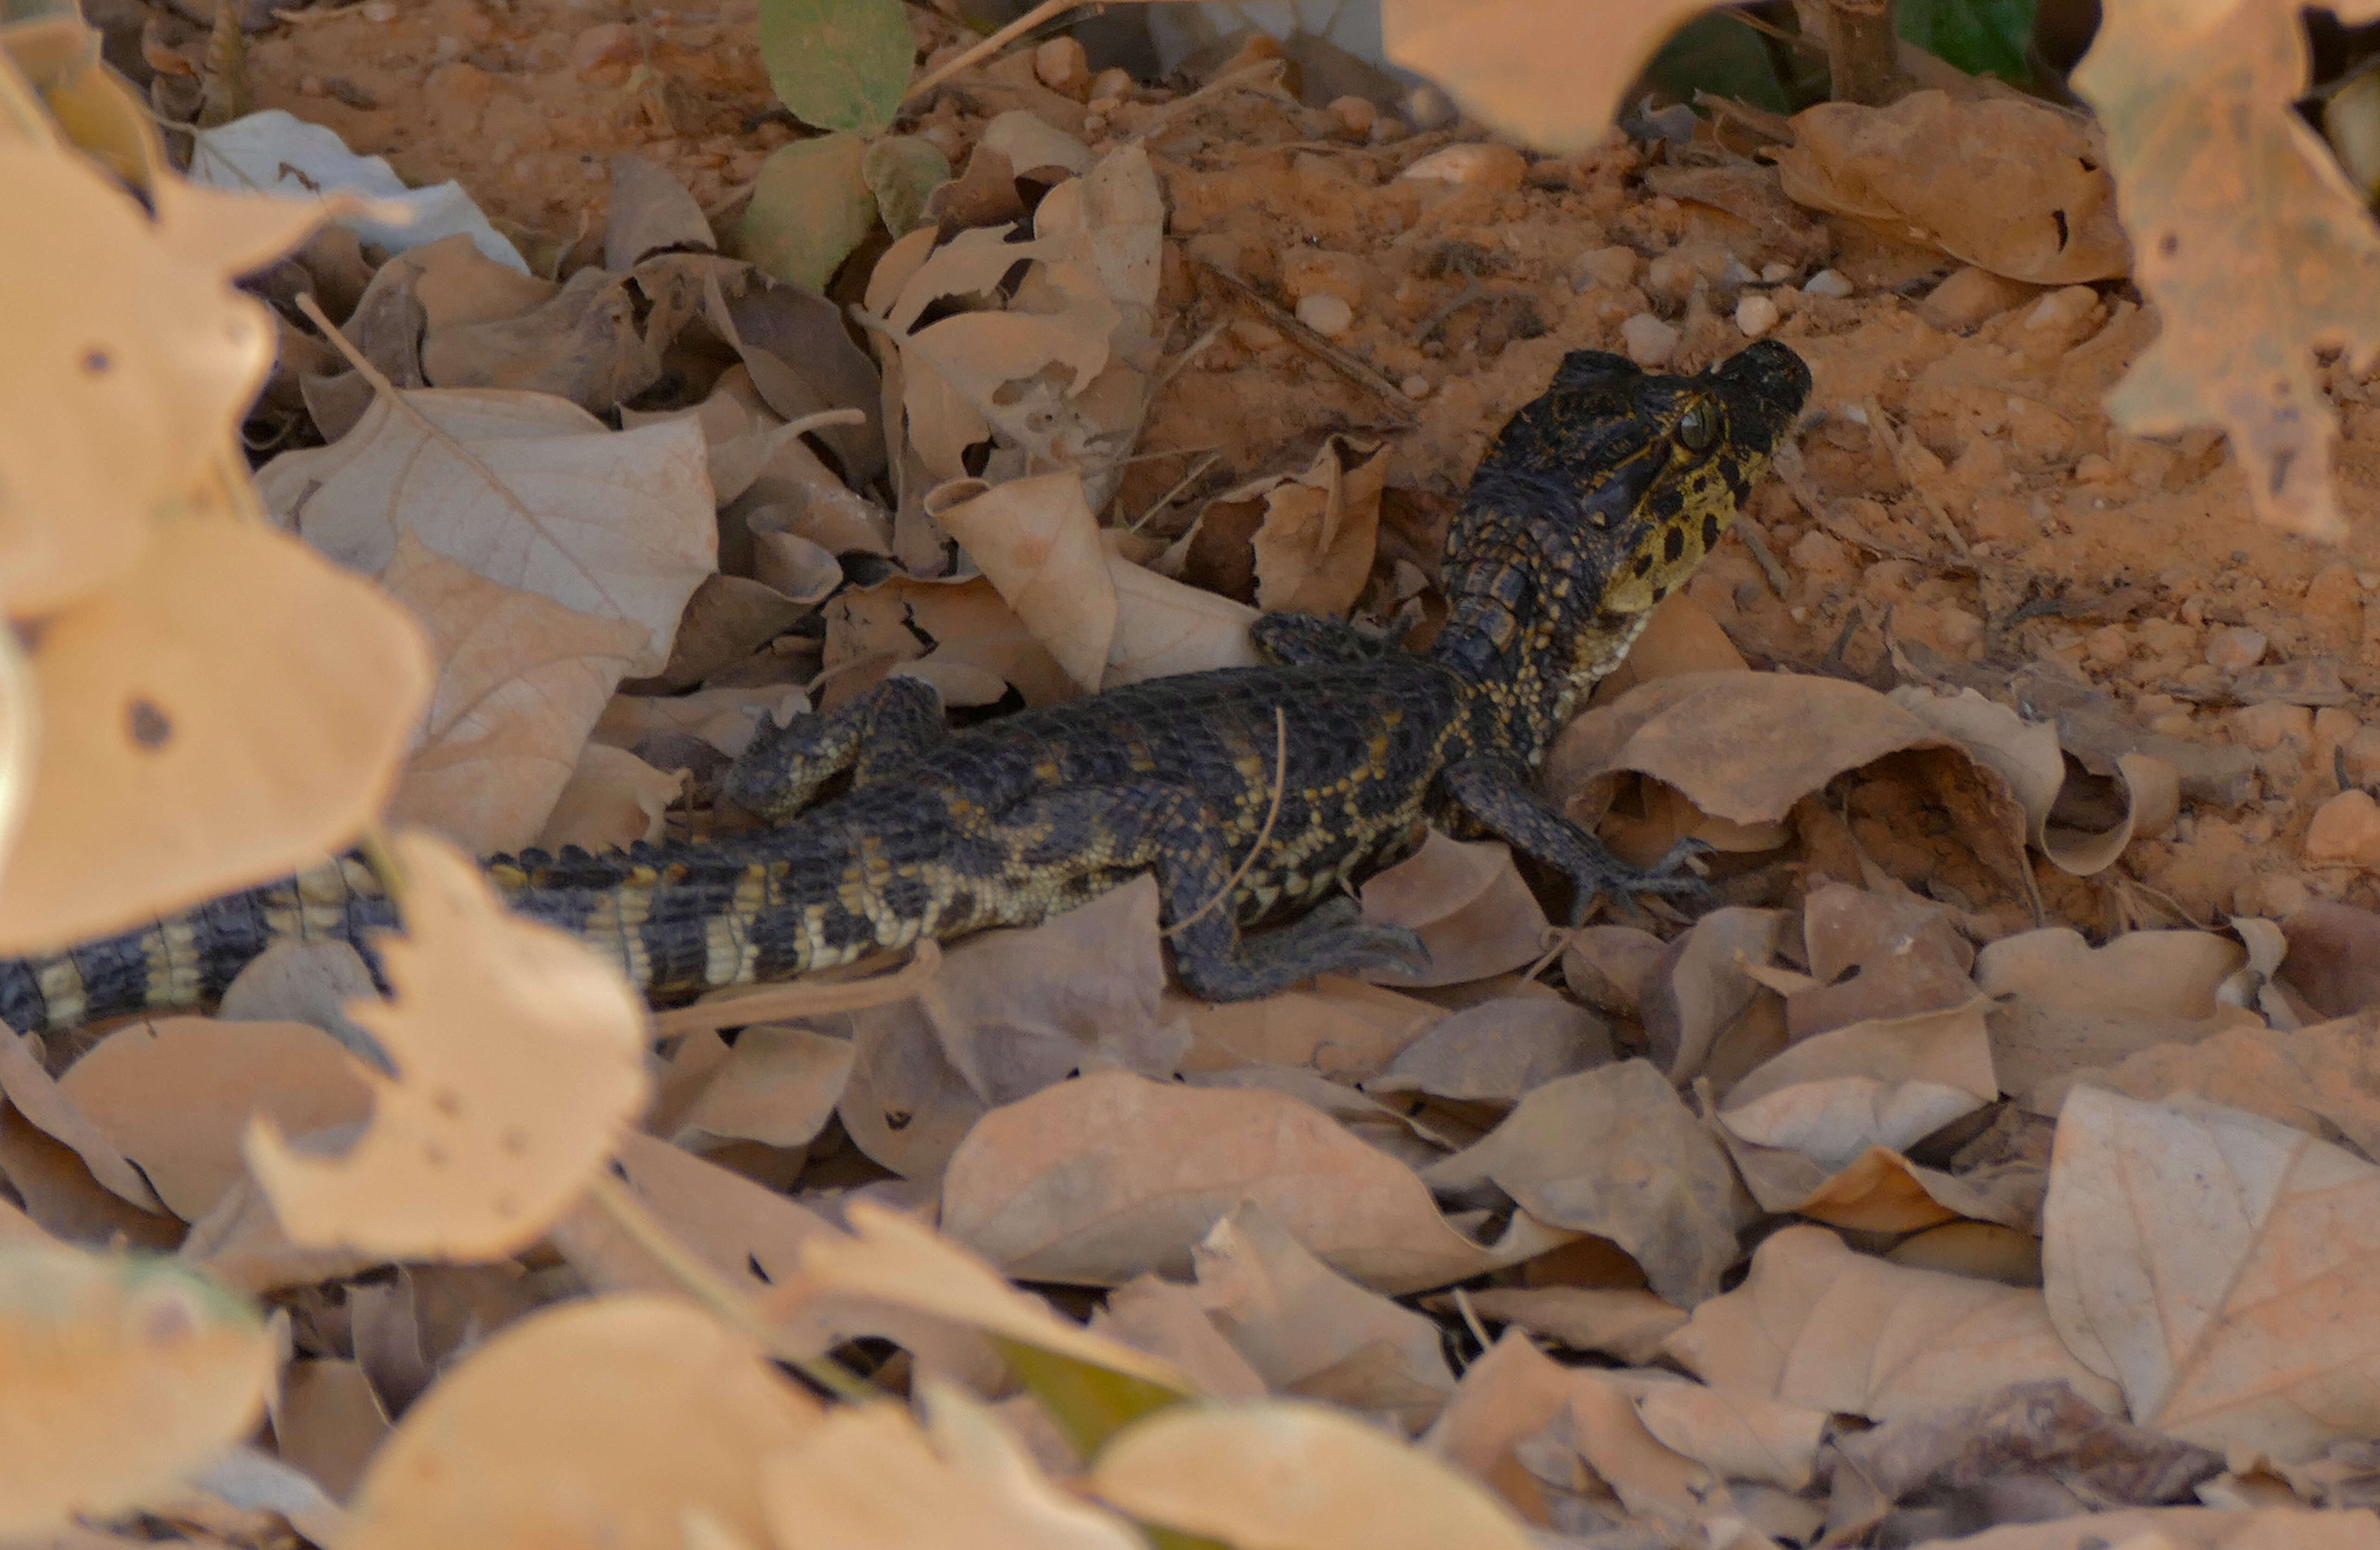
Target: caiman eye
{"type": "Point", "coordinates": [1698, 428]}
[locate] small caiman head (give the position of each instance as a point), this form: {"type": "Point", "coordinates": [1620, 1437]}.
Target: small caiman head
{"type": "Point", "coordinates": [1596, 502]}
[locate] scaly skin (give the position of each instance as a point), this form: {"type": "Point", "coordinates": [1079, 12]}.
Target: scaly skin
{"type": "Point", "coordinates": [1596, 502]}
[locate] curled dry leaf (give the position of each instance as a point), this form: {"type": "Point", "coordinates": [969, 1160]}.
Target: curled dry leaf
{"type": "Point", "coordinates": [614, 1416]}
{"type": "Point", "coordinates": [1616, 1153]}
{"type": "Point", "coordinates": [1876, 956]}
{"type": "Point", "coordinates": [872, 630]}
{"type": "Point", "coordinates": [1167, 1321]}
{"type": "Point", "coordinates": [1467, 902]}
{"type": "Point", "coordinates": [528, 490]}
{"type": "Point", "coordinates": [519, 1056]}
{"type": "Point", "coordinates": [2065, 1006]}
{"type": "Point", "coordinates": [1625, 1322]}
{"type": "Point", "coordinates": [521, 681]}
{"type": "Point", "coordinates": [1888, 1082]}
{"type": "Point", "coordinates": [2251, 241]}
{"type": "Point", "coordinates": [1099, 1180]}
{"type": "Point", "coordinates": [37, 1101]}
{"type": "Point", "coordinates": [612, 800]}
{"type": "Point", "coordinates": [870, 1477]}
{"type": "Point", "coordinates": [88, 1341]}
{"type": "Point", "coordinates": [1819, 1326]}
{"type": "Point", "coordinates": [2186, 1528]}
{"type": "Point", "coordinates": [186, 749]}
{"type": "Point", "coordinates": [2027, 756]}
{"type": "Point", "coordinates": [1314, 542]}
{"type": "Point", "coordinates": [1735, 1435]}
{"type": "Point", "coordinates": [1703, 986]}
{"type": "Point", "coordinates": [1163, 626]}
{"type": "Point", "coordinates": [2219, 1265]}
{"type": "Point", "coordinates": [778, 1085]}
{"type": "Point", "coordinates": [1038, 544]}
{"type": "Point", "coordinates": [1295, 1476]}
{"type": "Point", "coordinates": [1303, 1326]}
{"type": "Point", "coordinates": [1499, 1050]}
{"type": "Point", "coordinates": [2003, 183]}
{"type": "Point", "coordinates": [1342, 1029]}
{"type": "Point", "coordinates": [126, 379]}
{"type": "Point", "coordinates": [177, 1094]}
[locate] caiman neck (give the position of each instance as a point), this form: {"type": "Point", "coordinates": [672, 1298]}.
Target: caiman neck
{"type": "Point", "coordinates": [1527, 638]}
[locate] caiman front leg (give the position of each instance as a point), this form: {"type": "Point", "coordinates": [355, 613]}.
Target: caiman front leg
{"type": "Point", "coordinates": [1315, 640]}
{"type": "Point", "coordinates": [1092, 833]}
{"type": "Point", "coordinates": [784, 768]}
{"type": "Point", "coordinates": [1495, 793]}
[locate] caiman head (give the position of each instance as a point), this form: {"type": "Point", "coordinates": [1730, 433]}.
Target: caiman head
{"type": "Point", "coordinates": [1596, 502]}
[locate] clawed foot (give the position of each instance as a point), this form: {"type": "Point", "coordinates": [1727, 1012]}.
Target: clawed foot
{"type": "Point", "coordinates": [1672, 876]}
{"type": "Point", "coordinates": [1332, 939]}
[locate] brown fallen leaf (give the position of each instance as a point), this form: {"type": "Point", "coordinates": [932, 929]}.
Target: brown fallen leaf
{"type": "Point", "coordinates": [2250, 240]}
{"type": "Point", "coordinates": [612, 800]}
{"type": "Point", "coordinates": [1304, 1328]}
{"type": "Point", "coordinates": [1289, 1473]}
{"type": "Point", "coordinates": [1312, 534]}
{"type": "Point", "coordinates": [328, 1422]}
{"type": "Point", "coordinates": [1875, 956]}
{"type": "Point", "coordinates": [1888, 1082]}
{"type": "Point", "coordinates": [2004, 183]}
{"type": "Point", "coordinates": [177, 1094]}
{"type": "Point", "coordinates": [1110, 1176]}
{"type": "Point", "coordinates": [1817, 1326]}
{"type": "Point", "coordinates": [2182, 1527]}
{"type": "Point", "coordinates": [164, 775]}
{"type": "Point", "coordinates": [1038, 544]}
{"type": "Point", "coordinates": [870, 1476]}
{"type": "Point", "coordinates": [1615, 1152]}
{"type": "Point", "coordinates": [779, 1085]}
{"type": "Point", "coordinates": [582, 344]}
{"type": "Point", "coordinates": [87, 1339]}
{"type": "Point", "coordinates": [872, 629]}
{"type": "Point", "coordinates": [615, 1416]}
{"type": "Point", "coordinates": [521, 681]}
{"type": "Point", "coordinates": [1343, 1028]}
{"type": "Point", "coordinates": [1703, 985]}
{"type": "Point", "coordinates": [519, 1058]}
{"type": "Point", "coordinates": [2065, 1006]}
{"type": "Point", "coordinates": [1468, 904]}
{"type": "Point", "coordinates": [1735, 1435]}
{"type": "Point", "coordinates": [528, 490]}
{"type": "Point", "coordinates": [1498, 1049]}
{"type": "Point", "coordinates": [2215, 1263]}
{"type": "Point", "coordinates": [2323, 1079]}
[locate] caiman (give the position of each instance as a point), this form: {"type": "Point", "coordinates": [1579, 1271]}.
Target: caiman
{"type": "Point", "coordinates": [1255, 795]}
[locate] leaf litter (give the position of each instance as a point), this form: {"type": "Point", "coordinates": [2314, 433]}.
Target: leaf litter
{"type": "Point", "coordinates": [1873, 1204]}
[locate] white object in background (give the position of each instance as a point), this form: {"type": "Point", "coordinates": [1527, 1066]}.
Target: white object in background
{"type": "Point", "coordinates": [277, 152]}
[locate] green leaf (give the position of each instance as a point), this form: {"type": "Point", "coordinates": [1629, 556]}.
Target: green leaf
{"type": "Point", "coordinates": [1981, 37]}
{"type": "Point", "coordinates": [838, 64]}
{"type": "Point", "coordinates": [809, 209]}
{"type": "Point", "coordinates": [1089, 1403]}
{"type": "Point", "coordinates": [902, 170]}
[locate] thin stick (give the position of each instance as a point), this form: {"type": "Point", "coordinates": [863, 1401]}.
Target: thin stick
{"type": "Point", "coordinates": [1167, 499]}
{"type": "Point", "coordinates": [1257, 76]}
{"type": "Point", "coordinates": [774, 1003]}
{"type": "Point", "coordinates": [698, 1280]}
{"type": "Point", "coordinates": [1272, 813]}
{"type": "Point", "coordinates": [1354, 370]}
{"type": "Point", "coordinates": [1757, 541]}
{"type": "Point", "coordinates": [988, 47]}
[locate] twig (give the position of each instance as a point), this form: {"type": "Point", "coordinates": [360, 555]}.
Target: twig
{"type": "Point", "coordinates": [985, 49]}
{"type": "Point", "coordinates": [774, 1003]}
{"type": "Point", "coordinates": [1471, 1318]}
{"type": "Point", "coordinates": [1264, 835]}
{"type": "Point", "coordinates": [698, 1280]}
{"type": "Point", "coordinates": [1167, 498]}
{"type": "Point", "coordinates": [1766, 557]}
{"type": "Point", "coordinates": [1181, 362]}
{"type": "Point", "coordinates": [1264, 72]}
{"type": "Point", "coordinates": [298, 18]}
{"type": "Point", "coordinates": [1881, 429]}
{"type": "Point", "coordinates": [1348, 365]}
{"type": "Point", "coordinates": [1472, 291]}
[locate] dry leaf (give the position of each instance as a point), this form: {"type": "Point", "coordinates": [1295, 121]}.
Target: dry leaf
{"type": "Point", "coordinates": [127, 379]}
{"type": "Point", "coordinates": [177, 1094]}
{"type": "Point", "coordinates": [1616, 1154]}
{"type": "Point", "coordinates": [1874, 956]}
{"type": "Point", "coordinates": [1291, 1476]}
{"type": "Point", "coordinates": [870, 1477]}
{"type": "Point", "coordinates": [1888, 1082]}
{"type": "Point", "coordinates": [1342, 1029]}
{"type": "Point", "coordinates": [1314, 543]}
{"type": "Point", "coordinates": [1818, 1327]}
{"type": "Point", "coordinates": [2219, 1265]}
{"type": "Point", "coordinates": [521, 681]}
{"type": "Point", "coordinates": [328, 1423]}
{"type": "Point", "coordinates": [1099, 1180]}
{"type": "Point", "coordinates": [1164, 627]}
{"type": "Point", "coordinates": [612, 801]}
{"type": "Point", "coordinates": [778, 1085]}
{"type": "Point", "coordinates": [520, 1059]}
{"type": "Point", "coordinates": [2251, 241]}
{"type": "Point", "coordinates": [1735, 1435]}
{"type": "Point", "coordinates": [1467, 902]}
{"type": "Point", "coordinates": [2323, 1079]}
{"type": "Point", "coordinates": [1498, 1049]}
{"type": "Point", "coordinates": [2065, 1006]}
{"type": "Point", "coordinates": [1624, 1322]}
{"type": "Point", "coordinates": [1038, 544]}
{"type": "Point", "coordinates": [89, 1341]}
{"type": "Point", "coordinates": [168, 771]}
{"type": "Point", "coordinates": [2004, 183]}
{"type": "Point", "coordinates": [1167, 1322]}
{"type": "Point", "coordinates": [529, 492]}
{"type": "Point", "coordinates": [614, 1417]}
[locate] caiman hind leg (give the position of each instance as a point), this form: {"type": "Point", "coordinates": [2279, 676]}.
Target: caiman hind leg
{"type": "Point", "coordinates": [1072, 837]}
{"type": "Point", "coordinates": [1495, 793]}
{"type": "Point", "coordinates": [784, 769]}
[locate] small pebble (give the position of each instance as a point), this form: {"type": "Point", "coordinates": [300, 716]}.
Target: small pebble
{"type": "Point", "coordinates": [2235, 649]}
{"type": "Point", "coordinates": [1671, 278]}
{"type": "Point", "coordinates": [1354, 115]}
{"type": "Point", "coordinates": [1429, 107]}
{"type": "Point", "coordinates": [2108, 645]}
{"type": "Point", "coordinates": [2092, 468]}
{"type": "Point", "coordinates": [1326, 315]}
{"type": "Point", "coordinates": [1828, 282]}
{"type": "Point", "coordinates": [2062, 308]}
{"type": "Point", "coordinates": [1414, 386]}
{"type": "Point", "coordinates": [2345, 829]}
{"type": "Point", "coordinates": [1604, 266]}
{"type": "Point", "coordinates": [1111, 83]}
{"type": "Point", "coordinates": [1061, 65]}
{"type": "Point", "coordinates": [380, 10]}
{"type": "Point", "coordinates": [2361, 754]}
{"type": "Point", "coordinates": [1254, 334]}
{"type": "Point", "coordinates": [1755, 315]}
{"type": "Point", "coordinates": [1479, 162]}
{"type": "Point", "coordinates": [1648, 341]}
{"type": "Point", "coordinates": [1777, 270]}
{"type": "Point", "coordinates": [1971, 295]}
{"type": "Point", "coordinates": [1387, 128]}
{"type": "Point", "coordinates": [2266, 727]}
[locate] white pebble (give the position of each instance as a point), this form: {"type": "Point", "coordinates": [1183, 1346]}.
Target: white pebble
{"type": "Point", "coordinates": [1755, 315]}
{"type": "Point", "coordinates": [1326, 315]}
{"type": "Point", "coordinates": [1414, 386]}
{"type": "Point", "coordinates": [1060, 64]}
{"type": "Point", "coordinates": [1648, 341]}
{"type": "Point", "coordinates": [1603, 266]}
{"type": "Point", "coordinates": [1776, 271]}
{"type": "Point", "coordinates": [1354, 115]}
{"type": "Point", "coordinates": [1479, 161]}
{"type": "Point", "coordinates": [1828, 282]}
